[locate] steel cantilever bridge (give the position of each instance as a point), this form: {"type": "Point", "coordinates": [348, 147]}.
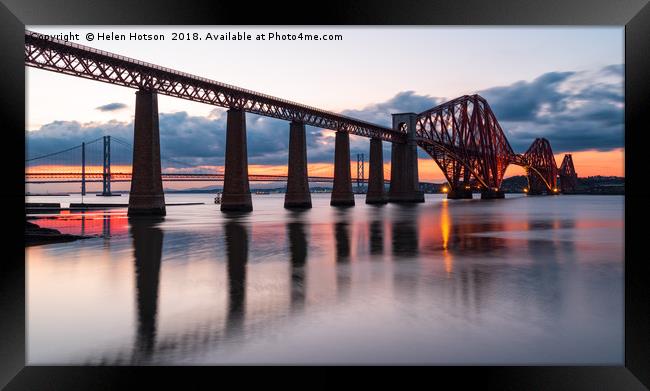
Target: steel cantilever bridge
{"type": "Point", "coordinates": [463, 136]}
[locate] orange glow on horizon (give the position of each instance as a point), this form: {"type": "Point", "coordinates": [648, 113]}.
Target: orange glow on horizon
{"type": "Point", "coordinates": [587, 163]}
{"type": "Point", "coordinates": [76, 169]}
{"type": "Point", "coordinates": [592, 163]}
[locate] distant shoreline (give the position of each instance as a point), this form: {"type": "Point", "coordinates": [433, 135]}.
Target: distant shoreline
{"type": "Point", "coordinates": [48, 195]}
{"type": "Point", "coordinates": [271, 191]}
{"type": "Point", "coordinates": [595, 185]}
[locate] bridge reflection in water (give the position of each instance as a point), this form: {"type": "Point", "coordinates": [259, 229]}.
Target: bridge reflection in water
{"type": "Point", "coordinates": [298, 259]}
{"type": "Point", "coordinates": [279, 290]}
{"type": "Point", "coordinates": [237, 257]}
{"type": "Point", "coordinates": [147, 253]}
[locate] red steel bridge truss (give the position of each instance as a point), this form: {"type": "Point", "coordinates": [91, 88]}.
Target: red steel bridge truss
{"type": "Point", "coordinates": [567, 175]}
{"type": "Point", "coordinates": [463, 135]}
{"type": "Point", "coordinates": [465, 139]}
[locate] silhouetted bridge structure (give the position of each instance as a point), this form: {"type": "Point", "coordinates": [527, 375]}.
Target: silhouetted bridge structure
{"type": "Point", "coordinates": [91, 162]}
{"type": "Point", "coordinates": [71, 177]}
{"type": "Point", "coordinates": [463, 136]}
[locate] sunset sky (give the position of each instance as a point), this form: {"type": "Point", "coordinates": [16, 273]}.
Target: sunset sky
{"type": "Point", "coordinates": [565, 84]}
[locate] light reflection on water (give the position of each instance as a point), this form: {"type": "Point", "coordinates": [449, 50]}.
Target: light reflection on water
{"type": "Point", "coordinates": [521, 280]}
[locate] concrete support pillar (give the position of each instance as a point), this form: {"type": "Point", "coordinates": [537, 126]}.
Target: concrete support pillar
{"type": "Point", "coordinates": [146, 196]}
{"type": "Point", "coordinates": [297, 195]}
{"type": "Point", "coordinates": [397, 177]}
{"type": "Point", "coordinates": [535, 185]}
{"type": "Point", "coordinates": [460, 193]}
{"type": "Point", "coordinates": [342, 191]}
{"type": "Point", "coordinates": [376, 194]}
{"type": "Point", "coordinates": [492, 194]}
{"type": "Point", "coordinates": [236, 190]}
{"type": "Point", "coordinates": [404, 180]}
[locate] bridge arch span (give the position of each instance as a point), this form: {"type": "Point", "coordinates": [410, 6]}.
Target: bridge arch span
{"type": "Point", "coordinates": [465, 139]}
{"type": "Point", "coordinates": [540, 165]}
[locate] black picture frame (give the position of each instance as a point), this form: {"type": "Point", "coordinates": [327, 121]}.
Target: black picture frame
{"type": "Point", "coordinates": [633, 14]}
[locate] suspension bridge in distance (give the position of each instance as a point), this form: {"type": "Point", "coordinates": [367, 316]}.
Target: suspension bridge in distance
{"type": "Point", "coordinates": [90, 162]}
{"type": "Point", "coordinates": [462, 136]}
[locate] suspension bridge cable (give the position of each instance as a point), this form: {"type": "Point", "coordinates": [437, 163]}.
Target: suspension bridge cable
{"type": "Point", "coordinates": [94, 152]}
{"type": "Point", "coordinates": [65, 150]}
{"type": "Point", "coordinates": [52, 154]}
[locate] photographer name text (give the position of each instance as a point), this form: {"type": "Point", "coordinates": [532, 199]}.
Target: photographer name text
{"type": "Point", "coordinates": [193, 36]}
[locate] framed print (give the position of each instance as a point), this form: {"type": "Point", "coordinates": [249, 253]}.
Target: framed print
{"type": "Point", "coordinates": [457, 187]}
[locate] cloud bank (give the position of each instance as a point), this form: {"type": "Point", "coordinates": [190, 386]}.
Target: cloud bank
{"type": "Point", "coordinates": [575, 110]}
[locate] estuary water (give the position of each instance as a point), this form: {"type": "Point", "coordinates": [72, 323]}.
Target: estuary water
{"type": "Point", "coordinates": [524, 280]}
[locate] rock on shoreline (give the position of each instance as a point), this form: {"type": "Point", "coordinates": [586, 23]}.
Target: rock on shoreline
{"type": "Point", "coordinates": [35, 235]}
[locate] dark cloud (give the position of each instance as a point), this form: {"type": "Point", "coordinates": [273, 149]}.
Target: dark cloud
{"type": "Point", "coordinates": [403, 102]}
{"type": "Point", "coordinates": [522, 100]}
{"type": "Point", "coordinates": [380, 114]}
{"type": "Point", "coordinates": [194, 140]}
{"type": "Point", "coordinates": [574, 110]}
{"type": "Point", "coordinates": [112, 107]}
{"type": "Point", "coordinates": [614, 69]}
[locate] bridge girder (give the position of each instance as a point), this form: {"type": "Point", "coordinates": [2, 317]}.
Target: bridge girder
{"type": "Point", "coordinates": [74, 177]}
{"type": "Point", "coordinates": [567, 175]}
{"type": "Point", "coordinates": [465, 139]}
{"type": "Point", "coordinates": [86, 62]}
{"type": "Point", "coordinates": [541, 167]}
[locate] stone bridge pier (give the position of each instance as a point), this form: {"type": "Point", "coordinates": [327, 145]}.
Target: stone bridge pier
{"type": "Point", "coordinates": [491, 194]}
{"type": "Point", "coordinates": [404, 181]}
{"type": "Point", "coordinates": [342, 190]}
{"type": "Point", "coordinates": [297, 195]}
{"type": "Point", "coordinates": [376, 193]}
{"type": "Point", "coordinates": [146, 196]}
{"type": "Point", "coordinates": [461, 190]}
{"type": "Point", "coordinates": [236, 195]}
{"type": "Point", "coordinates": [460, 193]}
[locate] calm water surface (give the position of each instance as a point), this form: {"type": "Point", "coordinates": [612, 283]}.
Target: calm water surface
{"type": "Point", "coordinates": [534, 280]}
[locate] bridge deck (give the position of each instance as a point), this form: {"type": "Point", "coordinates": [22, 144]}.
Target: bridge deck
{"type": "Point", "coordinates": [74, 177]}
{"type": "Point", "coordinates": [73, 59]}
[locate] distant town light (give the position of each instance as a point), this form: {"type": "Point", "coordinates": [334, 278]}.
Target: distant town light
{"type": "Point", "coordinates": [525, 190]}
{"type": "Point", "coordinates": [444, 189]}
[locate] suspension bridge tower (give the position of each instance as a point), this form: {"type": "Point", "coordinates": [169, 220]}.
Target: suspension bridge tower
{"type": "Point", "coordinates": [106, 169]}
{"type": "Point", "coordinates": [360, 172]}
